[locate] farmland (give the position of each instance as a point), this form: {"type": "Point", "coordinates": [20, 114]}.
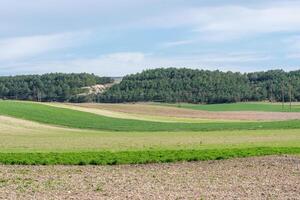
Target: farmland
{"type": "Point", "coordinates": [168, 139]}
{"type": "Point", "coordinates": [178, 113]}
{"type": "Point", "coordinates": [252, 106]}
{"type": "Point", "coordinates": [38, 133]}
{"type": "Point", "coordinates": [78, 119]}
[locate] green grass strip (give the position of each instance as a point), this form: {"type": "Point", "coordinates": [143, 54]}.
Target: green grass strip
{"type": "Point", "coordinates": [138, 157]}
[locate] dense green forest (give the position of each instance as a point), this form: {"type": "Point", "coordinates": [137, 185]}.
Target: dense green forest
{"type": "Point", "coordinates": [49, 87]}
{"type": "Point", "coordinates": [161, 85]}
{"type": "Point", "coordinates": [202, 86]}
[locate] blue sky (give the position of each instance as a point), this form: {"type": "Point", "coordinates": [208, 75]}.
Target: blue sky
{"type": "Point", "coordinates": [117, 37]}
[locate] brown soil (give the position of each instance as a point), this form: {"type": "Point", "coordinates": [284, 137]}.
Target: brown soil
{"type": "Point", "coordinates": [145, 109]}
{"type": "Point", "coordinates": [272, 177]}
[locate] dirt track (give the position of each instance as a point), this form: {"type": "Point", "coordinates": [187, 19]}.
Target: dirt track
{"type": "Point", "coordinates": [273, 177]}
{"type": "Point", "coordinates": [152, 110]}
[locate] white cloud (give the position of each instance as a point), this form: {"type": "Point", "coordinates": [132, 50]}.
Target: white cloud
{"type": "Point", "coordinates": [231, 22]}
{"type": "Point", "coordinates": [128, 57]}
{"type": "Point", "coordinates": [293, 55]}
{"type": "Point", "coordinates": [12, 49]}
{"type": "Point", "coordinates": [198, 22]}
{"type": "Point", "coordinates": [219, 58]}
{"type": "Point", "coordinates": [177, 43]}
{"type": "Point", "coordinates": [292, 44]}
{"type": "Point", "coordinates": [241, 21]}
{"type": "Point", "coordinates": [123, 63]}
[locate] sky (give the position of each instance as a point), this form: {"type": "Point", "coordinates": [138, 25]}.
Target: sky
{"type": "Point", "coordinates": [119, 37]}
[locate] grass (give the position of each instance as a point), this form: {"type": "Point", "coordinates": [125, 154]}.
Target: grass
{"type": "Point", "coordinates": [23, 142]}
{"type": "Point", "coordinates": [106, 140]}
{"type": "Point", "coordinates": [23, 136]}
{"type": "Point", "coordinates": [138, 157]}
{"type": "Point", "coordinates": [83, 120]}
{"type": "Point", "coordinates": [264, 107]}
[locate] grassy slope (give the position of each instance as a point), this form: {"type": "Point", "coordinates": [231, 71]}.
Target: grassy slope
{"type": "Point", "coordinates": [23, 136]}
{"type": "Point", "coordinates": [264, 107]}
{"type": "Point", "coordinates": [25, 142]}
{"type": "Point", "coordinates": [77, 119]}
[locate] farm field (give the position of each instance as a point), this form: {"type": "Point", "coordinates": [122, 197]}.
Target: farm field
{"type": "Point", "coordinates": [37, 133]}
{"type": "Point", "coordinates": [85, 120]}
{"type": "Point", "coordinates": [22, 135]}
{"type": "Point", "coordinates": [149, 149]}
{"type": "Point", "coordinates": [251, 106]}
{"type": "Point", "coordinates": [166, 112]}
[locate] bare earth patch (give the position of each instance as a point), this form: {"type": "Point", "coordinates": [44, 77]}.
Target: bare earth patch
{"type": "Point", "coordinates": [272, 177]}
{"type": "Point", "coordinates": [152, 110]}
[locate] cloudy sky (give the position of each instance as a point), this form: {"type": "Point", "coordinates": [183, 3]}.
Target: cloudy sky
{"type": "Point", "coordinates": [117, 37]}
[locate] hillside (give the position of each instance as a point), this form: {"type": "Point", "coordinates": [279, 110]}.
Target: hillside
{"type": "Point", "coordinates": [49, 87]}
{"type": "Point", "coordinates": [202, 86]}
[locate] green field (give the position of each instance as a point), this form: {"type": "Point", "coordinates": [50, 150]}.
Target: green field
{"type": "Point", "coordinates": [32, 143]}
{"type": "Point", "coordinates": [263, 107]}
{"type": "Point", "coordinates": [78, 119]}
{"type": "Point", "coordinates": [32, 133]}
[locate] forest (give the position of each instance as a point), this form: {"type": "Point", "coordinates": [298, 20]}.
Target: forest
{"type": "Point", "coordinates": [203, 86]}
{"type": "Point", "coordinates": [158, 85]}
{"type": "Point", "coordinates": [49, 87]}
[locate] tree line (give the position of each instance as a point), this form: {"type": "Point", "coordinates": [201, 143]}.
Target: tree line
{"type": "Point", "coordinates": [49, 87]}
{"type": "Point", "coordinates": [203, 86]}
